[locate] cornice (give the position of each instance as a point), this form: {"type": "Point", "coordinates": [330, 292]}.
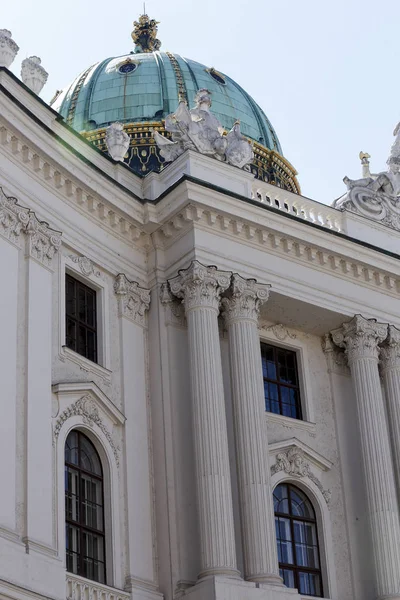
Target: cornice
{"type": "Point", "coordinates": [72, 190]}
{"type": "Point", "coordinates": [69, 389]}
{"type": "Point", "coordinates": [279, 243]}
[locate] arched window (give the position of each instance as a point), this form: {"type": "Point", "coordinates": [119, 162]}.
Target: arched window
{"type": "Point", "coordinates": [297, 539]}
{"type": "Point", "coordinates": [84, 508]}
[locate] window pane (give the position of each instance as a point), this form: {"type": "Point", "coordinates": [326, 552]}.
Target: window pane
{"type": "Point", "coordinates": [72, 548]}
{"type": "Point", "coordinates": [71, 494]}
{"type": "Point", "coordinates": [71, 448]}
{"type": "Point", "coordinates": [89, 458]}
{"type": "Point", "coordinates": [92, 510]}
{"type": "Point", "coordinates": [281, 501]}
{"type": "Point", "coordinates": [300, 504]}
{"type": "Point", "coordinates": [306, 544]}
{"type": "Point", "coordinates": [81, 335]}
{"type": "Point", "coordinates": [284, 540]}
{"type": "Point", "coordinates": [280, 372]}
{"type": "Point", "coordinates": [288, 577]}
{"type": "Point", "coordinates": [309, 584]}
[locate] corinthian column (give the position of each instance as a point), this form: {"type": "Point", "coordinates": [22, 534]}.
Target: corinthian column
{"type": "Point", "coordinates": [360, 337]}
{"type": "Point", "coordinates": [201, 287]}
{"type": "Point", "coordinates": [241, 310]}
{"type": "Point", "coordinates": [390, 363]}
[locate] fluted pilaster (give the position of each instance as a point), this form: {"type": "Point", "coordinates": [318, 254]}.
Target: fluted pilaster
{"type": "Point", "coordinates": [241, 308]}
{"type": "Point", "coordinates": [361, 337]}
{"type": "Point", "coordinates": [200, 288]}
{"type": "Point", "coordinates": [390, 363]}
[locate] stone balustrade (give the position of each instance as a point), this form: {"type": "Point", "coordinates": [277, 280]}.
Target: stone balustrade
{"type": "Point", "coordinates": [298, 206]}
{"type": "Point", "coordinates": [79, 588]}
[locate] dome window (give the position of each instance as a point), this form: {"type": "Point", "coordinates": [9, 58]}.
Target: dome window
{"type": "Point", "coordinates": [127, 67]}
{"type": "Point", "coordinates": [218, 77]}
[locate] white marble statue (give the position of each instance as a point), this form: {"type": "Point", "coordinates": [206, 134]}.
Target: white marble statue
{"type": "Point", "coordinates": [376, 195]}
{"type": "Point", "coordinates": [8, 48]}
{"type": "Point", "coordinates": [117, 141]}
{"type": "Point", "coordinates": [198, 129]}
{"type": "Point", "coordinates": [33, 74]}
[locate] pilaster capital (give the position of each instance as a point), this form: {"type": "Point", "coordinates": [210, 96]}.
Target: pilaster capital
{"type": "Point", "coordinates": [200, 286]}
{"type": "Point", "coordinates": [43, 241]}
{"type": "Point", "coordinates": [133, 299]}
{"type": "Point", "coordinates": [13, 217]}
{"type": "Point", "coordinates": [390, 350]}
{"type": "Point", "coordinates": [360, 337]}
{"type": "Point", "coordinates": [244, 299]}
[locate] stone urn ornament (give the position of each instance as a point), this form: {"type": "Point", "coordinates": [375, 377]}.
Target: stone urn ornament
{"type": "Point", "coordinates": [117, 141]}
{"type": "Point", "coordinates": [8, 48]}
{"type": "Point", "coordinates": [33, 74]}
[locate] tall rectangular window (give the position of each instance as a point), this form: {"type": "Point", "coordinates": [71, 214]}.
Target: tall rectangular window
{"type": "Point", "coordinates": [281, 381]}
{"type": "Point", "coordinates": [81, 318]}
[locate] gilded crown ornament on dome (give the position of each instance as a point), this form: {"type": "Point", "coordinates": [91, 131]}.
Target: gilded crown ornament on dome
{"type": "Point", "coordinates": [144, 35]}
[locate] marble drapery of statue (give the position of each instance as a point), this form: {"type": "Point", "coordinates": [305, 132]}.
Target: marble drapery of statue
{"type": "Point", "coordinates": [376, 195]}
{"type": "Point", "coordinates": [387, 182]}
{"type": "Point", "coordinates": [117, 141]}
{"type": "Point", "coordinates": [198, 129]}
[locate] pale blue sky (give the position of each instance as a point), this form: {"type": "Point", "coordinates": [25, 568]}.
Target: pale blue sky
{"type": "Point", "coordinates": [326, 73]}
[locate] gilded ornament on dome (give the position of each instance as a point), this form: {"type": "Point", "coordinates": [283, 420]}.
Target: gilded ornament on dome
{"type": "Point", "coordinates": [144, 35]}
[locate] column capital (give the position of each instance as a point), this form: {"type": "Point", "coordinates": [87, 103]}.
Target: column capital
{"type": "Point", "coordinates": [244, 299]}
{"type": "Point", "coordinates": [200, 286]}
{"type": "Point", "coordinates": [43, 241]}
{"type": "Point", "coordinates": [134, 300]}
{"type": "Point", "coordinates": [390, 350]}
{"type": "Point", "coordinates": [360, 337]}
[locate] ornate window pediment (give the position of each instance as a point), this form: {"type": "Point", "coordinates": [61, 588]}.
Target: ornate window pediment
{"type": "Point", "coordinates": [299, 461]}
{"type": "Point", "coordinates": [87, 401]}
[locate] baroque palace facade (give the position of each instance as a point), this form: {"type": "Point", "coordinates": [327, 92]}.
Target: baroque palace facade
{"type": "Point", "coordinates": [200, 366]}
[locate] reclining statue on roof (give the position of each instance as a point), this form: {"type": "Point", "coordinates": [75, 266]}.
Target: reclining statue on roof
{"type": "Point", "coordinates": [387, 182]}
{"type": "Point", "coordinates": [198, 129]}
{"type": "Point", "coordinates": [376, 196]}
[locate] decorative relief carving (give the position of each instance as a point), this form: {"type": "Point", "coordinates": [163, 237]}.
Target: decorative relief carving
{"type": "Point", "coordinates": [360, 337]}
{"type": "Point", "coordinates": [86, 265]}
{"type": "Point", "coordinates": [43, 241]}
{"type": "Point", "coordinates": [293, 463]}
{"type": "Point", "coordinates": [244, 299]}
{"type": "Point", "coordinates": [280, 332]}
{"type": "Point", "coordinates": [13, 217]}
{"type": "Point", "coordinates": [117, 141]}
{"type": "Point", "coordinates": [174, 308]}
{"type": "Point", "coordinates": [390, 350]}
{"type": "Point", "coordinates": [86, 408]}
{"type": "Point", "coordinates": [33, 74]}
{"type": "Point", "coordinates": [200, 286]}
{"type": "Point", "coordinates": [133, 299]}
{"type": "Point", "coordinates": [337, 359]}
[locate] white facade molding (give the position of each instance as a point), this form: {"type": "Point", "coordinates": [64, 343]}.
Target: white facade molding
{"type": "Point", "coordinates": [336, 357]}
{"type": "Point", "coordinates": [280, 331]}
{"type": "Point", "coordinates": [244, 299]}
{"type": "Point", "coordinates": [80, 588]}
{"type": "Point", "coordinates": [43, 242]}
{"type": "Point", "coordinates": [72, 190]}
{"type": "Point", "coordinates": [85, 265]}
{"type": "Point", "coordinates": [134, 300]}
{"type": "Point", "coordinates": [87, 401]}
{"type": "Point", "coordinates": [174, 309]}
{"type": "Point", "coordinates": [293, 458]}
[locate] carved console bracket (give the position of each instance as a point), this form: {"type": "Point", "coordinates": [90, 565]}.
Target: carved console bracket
{"type": "Point", "coordinates": [42, 242]}
{"type": "Point", "coordinates": [134, 300]}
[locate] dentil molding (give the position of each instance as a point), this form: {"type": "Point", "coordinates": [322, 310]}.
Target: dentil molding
{"type": "Point", "coordinates": [134, 300]}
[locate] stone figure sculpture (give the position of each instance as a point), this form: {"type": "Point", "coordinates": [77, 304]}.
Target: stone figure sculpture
{"type": "Point", "coordinates": [198, 129]}
{"type": "Point", "coordinates": [117, 141]}
{"type": "Point", "coordinates": [376, 195]}
{"type": "Point", "coordinates": [33, 74]}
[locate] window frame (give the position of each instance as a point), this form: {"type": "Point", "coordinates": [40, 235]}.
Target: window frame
{"type": "Point", "coordinates": [78, 323]}
{"type": "Point", "coordinates": [78, 524]}
{"type": "Point", "coordinates": [279, 384]}
{"type": "Point", "coordinates": [289, 516]}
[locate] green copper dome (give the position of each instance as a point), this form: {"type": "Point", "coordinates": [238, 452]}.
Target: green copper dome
{"type": "Point", "coordinates": [141, 88]}
{"type": "Point", "coordinates": [105, 93]}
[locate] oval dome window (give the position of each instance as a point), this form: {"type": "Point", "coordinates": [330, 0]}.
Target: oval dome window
{"type": "Point", "coordinates": [127, 68]}
{"type": "Point", "coordinates": [217, 76]}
